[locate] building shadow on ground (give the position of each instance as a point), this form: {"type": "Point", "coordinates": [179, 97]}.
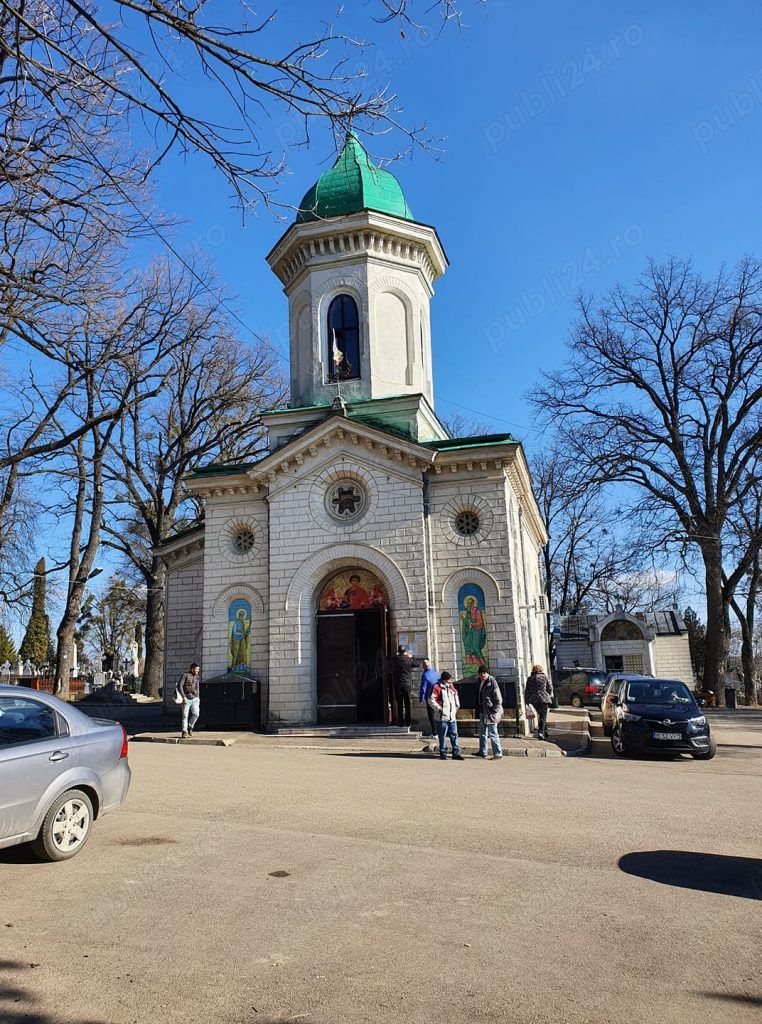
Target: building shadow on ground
{"type": "Point", "coordinates": [707, 872]}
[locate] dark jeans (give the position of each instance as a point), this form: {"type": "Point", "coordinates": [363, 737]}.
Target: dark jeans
{"type": "Point", "coordinates": [542, 718]}
{"type": "Point", "coordinates": [432, 719]}
{"type": "Point", "coordinates": [445, 729]}
{"type": "Point", "coordinates": [403, 706]}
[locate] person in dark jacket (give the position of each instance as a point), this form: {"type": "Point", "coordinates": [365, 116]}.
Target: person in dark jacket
{"type": "Point", "coordinates": [189, 690]}
{"type": "Point", "coordinates": [403, 669]}
{"type": "Point", "coordinates": [489, 704]}
{"type": "Point", "coordinates": [539, 692]}
{"type": "Point", "coordinates": [429, 679]}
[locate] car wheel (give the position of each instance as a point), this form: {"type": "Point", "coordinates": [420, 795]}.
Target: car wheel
{"type": "Point", "coordinates": [66, 827]}
{"type": "Point", "coordinates": [575, 700]}
{"type": "Point", "coordinates": [707, 755]}
{"type": "Point", "coordinates": [617, 743]}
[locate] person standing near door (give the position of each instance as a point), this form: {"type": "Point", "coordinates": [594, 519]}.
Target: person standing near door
{"type": "Point", "coordinates": [445, 702]}
{"type": "Point", "coordinates": [189, 690]}
{"type": "Point", "coordinates": [489, 701]}
{"type": "Point", "coordinates": [403, 667]}
{"type": "Point", "coordinates": [539, 692]}
{"type": "Point", "coordinates": [429, 679]}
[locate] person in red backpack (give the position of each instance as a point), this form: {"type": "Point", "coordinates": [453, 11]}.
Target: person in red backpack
{"type": "Point", "coordinates": [445, 702]}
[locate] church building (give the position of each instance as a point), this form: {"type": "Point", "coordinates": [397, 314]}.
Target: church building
{"type": "Point", "coordinates": [366, 525]}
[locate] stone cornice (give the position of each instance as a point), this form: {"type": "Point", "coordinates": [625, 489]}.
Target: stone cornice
{"type": "Point", "coordinates": [367, 234]}
{"type": "Point", "coordinates": [183, 548]}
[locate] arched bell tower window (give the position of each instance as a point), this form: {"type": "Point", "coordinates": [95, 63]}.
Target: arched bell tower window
{"type": "Point", "coordinates": [343, 339]}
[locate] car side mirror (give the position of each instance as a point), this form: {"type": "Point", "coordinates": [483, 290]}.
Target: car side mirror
{"type": "Point", "coordinates": [702, 703]}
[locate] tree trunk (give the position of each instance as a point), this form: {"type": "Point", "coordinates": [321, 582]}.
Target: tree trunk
{"type": "Point", "coordinates": [64, 654]}
{"type": "Point", "coordinates": [153, 668]}
{"type": "Point", "coordinates": [716, 651]}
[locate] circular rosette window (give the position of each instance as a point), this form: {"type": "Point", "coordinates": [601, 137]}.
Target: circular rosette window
{"type": "Point", "coordinates": [239, 539]}
{"type": "Point", "coordinates": [467, 519]}
{"type": "Point", "coordinates": [346, 500]}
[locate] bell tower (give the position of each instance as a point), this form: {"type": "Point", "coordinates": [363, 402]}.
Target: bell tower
{"type": "Point", "coordinates": [359, 275]}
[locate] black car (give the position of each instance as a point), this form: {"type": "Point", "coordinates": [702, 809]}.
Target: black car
{"type": "Point", "coordinates": [579, 686]}
{"type": "Point", "coordinates": [613, 689]}
{"type": "Point", "coordinates": [660, 714]}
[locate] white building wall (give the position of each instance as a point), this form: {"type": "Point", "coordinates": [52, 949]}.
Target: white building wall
{"type": "Point", "coordinates": [672, 658]}
{"type": "Point", "coordinates": [228, 576]}
{"type": "Point", "coordinates": [477, 559]}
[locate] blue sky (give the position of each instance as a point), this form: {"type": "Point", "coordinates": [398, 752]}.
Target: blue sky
{"type": "Point", "coordinates": [580, 139]}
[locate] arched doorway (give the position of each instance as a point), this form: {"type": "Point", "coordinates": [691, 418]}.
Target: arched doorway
{"type": "Point", "coordinates": [352, 649]}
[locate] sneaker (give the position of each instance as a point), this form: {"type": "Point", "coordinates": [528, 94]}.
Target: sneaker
{"type": "Point", "coordinates": [497, 757]}
{"type": "Point", "coordinates": [185, 736]}
{"type": "Point", "coordinates": [190, 731]}
{"type": "Point", "coordinates": [443, 757]}
{"type": "Point", "coordinates": [480, 755]}
{"type": "Point", "coordinates": [458, 757]}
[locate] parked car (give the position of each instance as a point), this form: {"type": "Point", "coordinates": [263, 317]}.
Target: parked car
{"type": "Point", "coordinates": [59, 771]}
{"type": "Point", "coordinates": [579, 686]}
{"type": "Point", "coordinates": [614, 683]}
{"type": "Point", "coordinates": [659, 714]}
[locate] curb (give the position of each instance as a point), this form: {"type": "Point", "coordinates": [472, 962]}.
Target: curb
{"type": "Point", "coordinates": [188, 743]}
{"type": "Point", "coordinates": [587, 740]}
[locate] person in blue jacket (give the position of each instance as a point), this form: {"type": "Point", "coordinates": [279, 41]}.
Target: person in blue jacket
{"type": "Point", "coordinates": [429, 680]}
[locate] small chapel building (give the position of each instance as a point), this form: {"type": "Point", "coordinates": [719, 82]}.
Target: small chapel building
{"type": "Point", "coordinates": [366, 525]}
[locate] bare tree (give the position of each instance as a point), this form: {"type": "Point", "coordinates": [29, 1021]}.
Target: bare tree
{"type": "Point", "coordinates": [132, 339]}
{"type": "Point", "coordinates": [591, 561]}
{"type": "Point", "coordinates": [746, 521]}
{"type": "Point", "coordinates": [209, 409]}
{"type": "Point", "coordinates": [137, 59]}
{"type": "Point", "coordinates": [663, 392]}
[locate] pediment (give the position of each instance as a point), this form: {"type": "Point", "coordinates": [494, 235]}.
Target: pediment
{"type": "Point", "coordinates": [335, 438]}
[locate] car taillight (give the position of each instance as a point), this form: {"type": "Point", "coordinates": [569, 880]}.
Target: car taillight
{"type": "Point", "coordinates": [591, 687]}
{"type": "Point", "coordinates": [123, 751]}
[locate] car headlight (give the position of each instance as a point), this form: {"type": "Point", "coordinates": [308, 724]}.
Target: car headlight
{"type": "Point", "coordinates": [629, 717]}
{"type": "Point", "coordinates": [699, 720]}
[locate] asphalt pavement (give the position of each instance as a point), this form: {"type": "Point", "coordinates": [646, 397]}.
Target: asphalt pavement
{"type": "Point", "coordinates": [276, 881]}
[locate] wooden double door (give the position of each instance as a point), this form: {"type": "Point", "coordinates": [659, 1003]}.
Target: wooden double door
{"type": "Point", "coordinates": [352, 667]}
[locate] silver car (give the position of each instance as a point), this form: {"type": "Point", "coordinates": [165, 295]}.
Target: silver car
{"type": "Point", "coordinates": [59, 771]}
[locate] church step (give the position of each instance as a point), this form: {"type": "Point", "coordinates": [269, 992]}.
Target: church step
{"type": "Point", "coordinates": [345, 731]}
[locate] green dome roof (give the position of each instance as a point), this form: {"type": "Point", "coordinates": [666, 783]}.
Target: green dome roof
{"type": "Point", "coordinates": [351, 185]}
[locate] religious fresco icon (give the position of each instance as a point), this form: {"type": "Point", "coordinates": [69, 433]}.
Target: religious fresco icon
{"type": "Point", "coordinates": [352, 590]}
{"type": "Point", "coordinates": [239, 636]}
{"type": "Point", "coordinates": [473, 628]}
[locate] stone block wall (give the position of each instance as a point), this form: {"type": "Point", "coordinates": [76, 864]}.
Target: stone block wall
{"type": "Point", "coordinates": [230, 575]}
{"type": "Point", "coordinates": [672, 658]}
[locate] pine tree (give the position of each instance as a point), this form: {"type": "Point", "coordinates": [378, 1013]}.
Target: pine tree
{"type": "Point", "coordinates": [7, 647]}
{"type": "Point", "coordinates": [36, 644]}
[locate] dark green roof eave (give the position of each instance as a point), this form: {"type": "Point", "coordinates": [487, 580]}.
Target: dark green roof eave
{"type": "Point", "coordinates": [478, 441]}
{"type": "Point", "coordinates": [220, 469]}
